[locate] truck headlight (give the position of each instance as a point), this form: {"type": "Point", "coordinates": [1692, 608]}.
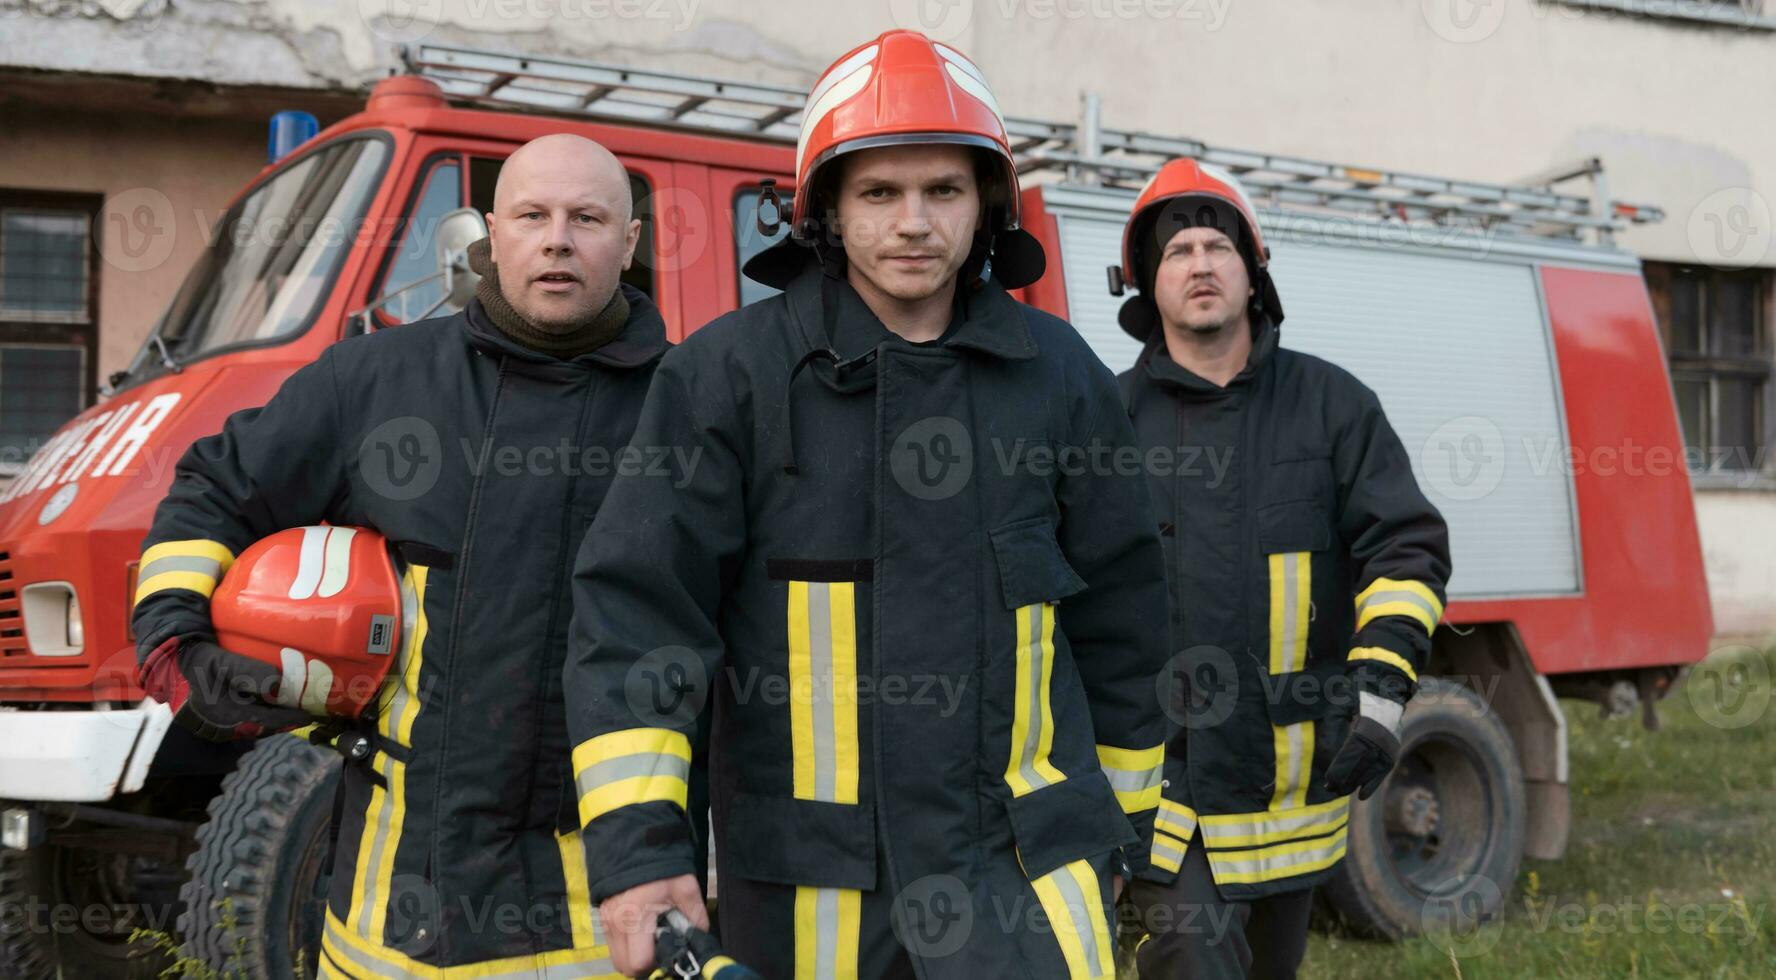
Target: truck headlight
{"type": "Point", "coordinates": [52, 619]}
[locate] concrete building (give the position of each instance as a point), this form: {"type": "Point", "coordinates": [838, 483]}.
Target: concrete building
{"type": "Point", "coordinates": [127, 125]}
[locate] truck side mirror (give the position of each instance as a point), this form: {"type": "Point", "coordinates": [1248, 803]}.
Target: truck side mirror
{"type": "Point", "coordinates": [456, 232]}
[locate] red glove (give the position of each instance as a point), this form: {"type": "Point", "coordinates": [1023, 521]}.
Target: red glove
{"type": "Point", "coordinates": [218, 695]}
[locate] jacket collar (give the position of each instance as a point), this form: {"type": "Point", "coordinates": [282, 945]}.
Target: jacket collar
{"type": "Point", "coordinates": [1169, 374]}
{"type": "Point", "coordinates": [642, 341]}
{"type": "Point", "coordinates": [986, 318]}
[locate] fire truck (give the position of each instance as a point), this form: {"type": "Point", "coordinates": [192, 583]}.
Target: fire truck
{"type": "Point", "coordinates": [1511, 341]}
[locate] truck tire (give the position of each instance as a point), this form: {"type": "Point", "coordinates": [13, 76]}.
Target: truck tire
{"type": "Point", "coordinates": [1443, 836]}
{"type": "Point", "coordinates": [256, 898]}
{"type": "Point", "coordinates": [39, 940]}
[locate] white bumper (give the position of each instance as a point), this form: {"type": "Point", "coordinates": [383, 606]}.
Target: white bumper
{"type": "Point", "coordinates": [78, 756]}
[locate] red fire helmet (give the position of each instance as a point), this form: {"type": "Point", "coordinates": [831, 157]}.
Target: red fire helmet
{"type": "Point", "coordinates": [905, 89]}
{"type": "Point", "coordinates": [323, 604]}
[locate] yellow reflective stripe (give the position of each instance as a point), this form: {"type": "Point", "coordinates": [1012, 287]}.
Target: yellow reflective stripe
{"type": "Point", "coordinates": [377, 843]}
{"type": "Point", "coordinates": [195, 565]}
{"type": "Point", "coordinates": [1386, 656]}
{"type": "Point", "coordinates": [1225, 830]}
{"type": "Point", "coordinates": [1399, 597]}
{"type": "Point", "coordinates": [823, 691]}
{"type": "Point", "coordinates": [713, 966]}
{"type": "Point", "coordinates": [367, 958]}
{"type": "Point", "coordinates": [1291, 589]}
{"type": "Point", "coordinates": [635, 765]}
{"type": "Point", "coordinates": [1032, 725]}
{"type": "Point", "coordinates": [1174, 819]}
{"type": "Point", "coordinates": [1168, 852]}
{"type": "Point", "coordinates": [400, 698]}
{"type": "Point", "coordinates": [1278, 861]}
{"type": "Point", "coordinates": [1074, 903]}
{"type": "Point", "coordinates": [1135, 775]}
{"type": "Point", "coordinates": [1293, 746]}
{"type": "Point", "coordinates": [827, 922]}
{"type": "Point", "coordinates": [582, 918]}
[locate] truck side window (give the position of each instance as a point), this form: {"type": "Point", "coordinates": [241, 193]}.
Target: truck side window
{"type": "Point", "coordinates": [416, 256]}
{"type": "Point", "coordinates": [484, 174]}
{"type": "Point", "coordinates": [749, 241]}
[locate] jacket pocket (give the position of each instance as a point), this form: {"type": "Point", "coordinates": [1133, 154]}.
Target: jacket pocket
{"type": "Point", "coordinates": [1070, 820]}
{"type": "Point", "coordinates": [1300, 525]}
{"type": "Point", "coordinates": [787, 841]}
{"type": "Point", "coordinates": [1031, 566]}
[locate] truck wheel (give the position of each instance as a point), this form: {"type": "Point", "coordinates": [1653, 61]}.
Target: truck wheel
{"type": "Point", "coordinates": [257, 895]}
{"type": "Point", "coordinates": [1444, 834]}
{"type": "Point", "coordinates": [70, 912]}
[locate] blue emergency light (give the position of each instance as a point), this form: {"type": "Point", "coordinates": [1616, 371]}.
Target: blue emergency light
{"type": "Point", "coordinates": [290, 128]}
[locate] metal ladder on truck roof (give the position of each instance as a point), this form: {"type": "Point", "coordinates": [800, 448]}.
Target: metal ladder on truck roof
{"type": "Point", "coordinates": [1081, 152]}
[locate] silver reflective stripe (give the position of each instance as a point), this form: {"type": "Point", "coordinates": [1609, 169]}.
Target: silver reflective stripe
{"type": "Point", "coordinates": [1081, 915]}
{"type": "Point", "coordinates": [1291, 599]}
{"type": "Point", "coordinates": [1161, 849]}
{"type": "Point", "coordinates": [1281, 824]}
{"type": "Point", "coordinates": [826, 932]}
{"type": "Point", "coordinates": [820, 692]}
{"type": "Point", "coordinates": [1133, 781]}
{"type": "Point", "coordinates": [1382, 598]}
{"type": "Point", "coordinates": [1033, 730]}
{"type": "Point", "coordinates": [180, 563]}
{"type": "Point", "coordinates": [385, 815]}
{"type": "Point", "coordinates": [629, 767]}
{"type": "Point", "coordinates": [1273, 865]}
{"type": "Point", "coordinates": [1179, 824]}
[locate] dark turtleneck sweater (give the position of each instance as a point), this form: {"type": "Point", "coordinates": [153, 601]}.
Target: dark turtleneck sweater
{"type": "Point", "coordinates": [565, 341]}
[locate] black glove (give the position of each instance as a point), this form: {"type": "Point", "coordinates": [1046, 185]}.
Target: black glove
{"type": "Point", "coordinates": [218, 695]}
{"type": "Point", "coordinates": [1373, 745]}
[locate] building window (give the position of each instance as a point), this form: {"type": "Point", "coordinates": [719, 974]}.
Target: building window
{"type": "Point", "coordinates": [1716, 327]}
{"type": "Point", "coordinates": [48, 330]}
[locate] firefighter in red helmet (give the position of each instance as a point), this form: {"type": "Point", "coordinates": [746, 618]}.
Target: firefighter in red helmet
{"type": "Point", "coordinates": [929, 658]}
{"type": "Point", "coordinates": [472, 444]}
{"type": "Point", "coordinates": [1306, 573]}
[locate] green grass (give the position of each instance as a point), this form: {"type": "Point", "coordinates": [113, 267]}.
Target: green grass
{"type": "Point", "coordinates": [1671, 866]}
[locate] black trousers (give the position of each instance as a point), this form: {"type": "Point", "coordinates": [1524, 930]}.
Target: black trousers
{"type": "Point", "coordinates": [1193, 933]}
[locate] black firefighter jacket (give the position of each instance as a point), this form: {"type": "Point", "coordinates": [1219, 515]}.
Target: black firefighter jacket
{"type": "Point", "coordinates": [483, 462]}
{"type": "Point", "coordinates": [932, 651]}
{"type": "Point", "coordinates": [1297, 544]}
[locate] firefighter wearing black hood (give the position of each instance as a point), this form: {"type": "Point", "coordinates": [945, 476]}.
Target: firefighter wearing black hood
{"type": "Point", "coordinates": [478, 445]}
{"type": "Point", "coordinates": [930, 640]}
{"type": "Point", "coordinates": [1306, 573]}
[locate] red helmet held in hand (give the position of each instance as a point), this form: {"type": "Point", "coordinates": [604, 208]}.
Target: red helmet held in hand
{"type": "Point", "coordinates": [323, 604]}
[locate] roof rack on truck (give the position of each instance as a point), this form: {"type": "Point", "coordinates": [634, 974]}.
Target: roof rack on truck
{"type": "Point", "coordinates": [1083, 151]}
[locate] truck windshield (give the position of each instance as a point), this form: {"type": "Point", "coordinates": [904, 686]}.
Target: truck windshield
{"type": "Point", "coordinates": [273, 257]}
